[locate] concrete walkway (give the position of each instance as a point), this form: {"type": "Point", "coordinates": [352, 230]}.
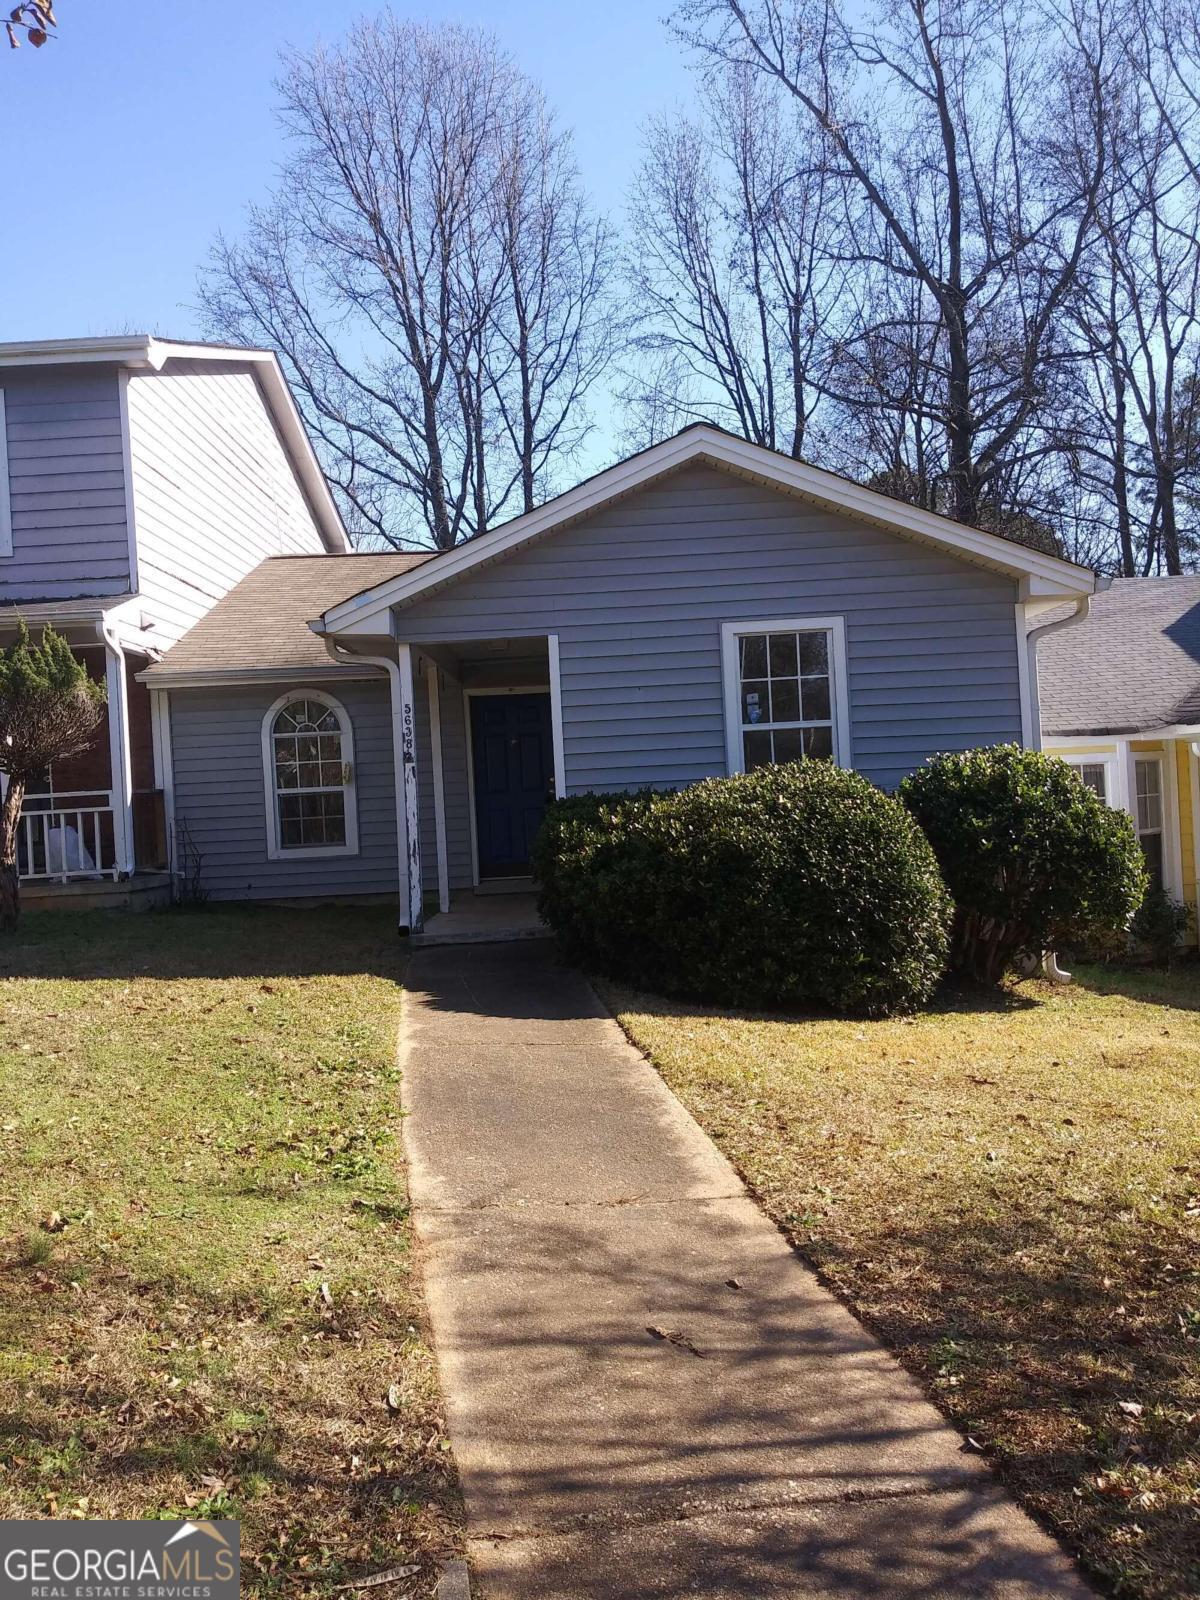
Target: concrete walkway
{"type": "Point", "coordinates": [648, 1393]}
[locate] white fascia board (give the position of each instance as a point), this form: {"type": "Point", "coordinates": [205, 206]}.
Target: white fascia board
{"type": "Point", "coordinates": [235, 676]}
{"type": "Point", "coordinates": [1050, 576]}
{"type": "Point", "coordinates": [127, 349]}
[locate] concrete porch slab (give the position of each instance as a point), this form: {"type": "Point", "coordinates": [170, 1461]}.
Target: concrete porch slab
{"type": "Point", "coordinates": [145, 891]}
{"type": "Point", "coordinates": [482, 919]}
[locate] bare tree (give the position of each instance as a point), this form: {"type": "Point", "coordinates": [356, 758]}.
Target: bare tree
{"type": "Point", "coordinates": [955, 124]}
{"type": "Point", "coordinates": [557, 330]}
{"type": "Point", "coordinates": [431, 277]}
{"type": "Point", "coordinates": [1137, 307]}
{"type": "Point", "coordinates": [732, 265]}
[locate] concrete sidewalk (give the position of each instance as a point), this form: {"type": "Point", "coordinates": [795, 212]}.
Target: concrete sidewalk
{"type": "Point", "coordinates": [648, 1393]}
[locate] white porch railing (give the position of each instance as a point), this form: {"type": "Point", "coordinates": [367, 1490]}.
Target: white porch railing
{"type": "Point", "coordinates": [63, 838]}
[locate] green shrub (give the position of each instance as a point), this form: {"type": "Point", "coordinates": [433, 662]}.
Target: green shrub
{"type": "Point", "coordinates": [787, 885]}
{"type": "Point", "coordinates": [1033, 859]}
{"type": "Point", "coordinates": [1160, 924]}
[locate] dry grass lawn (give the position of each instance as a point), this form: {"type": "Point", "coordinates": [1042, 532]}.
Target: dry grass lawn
{"type": "Point", "coordinates": [207, 1300]}
{"type": "Point", "coordinates": [1008, 1191]}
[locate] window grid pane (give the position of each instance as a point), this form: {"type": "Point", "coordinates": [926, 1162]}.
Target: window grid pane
{"type": "Point", "coordinates": [1093, 776]}
{"type": "Point", "coordinates": [310, 779]}
{"type": "Point", "coordinates": [1149, 796]}
{"type": "Point", "coordinates": [785, 697]}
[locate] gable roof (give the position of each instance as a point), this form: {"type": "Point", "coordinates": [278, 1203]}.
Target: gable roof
{"type": "Point", "coordinates": [260, 628]}
{"type": "Point", "coordinates": [1131, 666]}
{"type": "Point", "coordinates": [1040, 575]}
{"type": "Point", "coordinates": [143, 351]}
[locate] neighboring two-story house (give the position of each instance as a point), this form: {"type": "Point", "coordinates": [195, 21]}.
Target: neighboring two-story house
{"type": "Point", "coordinates": [140, 481]}
{"type": "Point", "coordinates": [1120, 701]}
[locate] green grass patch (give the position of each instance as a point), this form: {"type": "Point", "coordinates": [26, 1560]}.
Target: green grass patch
{"type": "Point", "coordinates": [206, 1274]}
{"type": "Point", "coordinates": [1007, 1188]}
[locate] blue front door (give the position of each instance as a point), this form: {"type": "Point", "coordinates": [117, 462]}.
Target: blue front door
{"type": "Point", "coordinates": [513, 758]}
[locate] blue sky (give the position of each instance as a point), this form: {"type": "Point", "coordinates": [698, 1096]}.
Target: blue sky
{"type": "Point", "coordinates": [144, 129]}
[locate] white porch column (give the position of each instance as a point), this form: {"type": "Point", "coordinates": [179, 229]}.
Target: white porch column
{"type": "Point", "coordinates": [439, 783]}
{"type": "Point", "coordinates": [404, 773]}
{"type": "Point", "coordinates": [408, 816]}
{"type": "Point", "coordinates": [120, 757]}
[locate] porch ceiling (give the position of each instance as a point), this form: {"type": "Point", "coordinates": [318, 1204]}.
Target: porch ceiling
{"type": "Point", "coordinates": [514, 661]}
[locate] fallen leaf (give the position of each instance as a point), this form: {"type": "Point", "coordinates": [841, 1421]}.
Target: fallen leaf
{"type": "Point", "coordinates": [673, 1336]}
{"type": "Point", "coordinates": [389, 1575]}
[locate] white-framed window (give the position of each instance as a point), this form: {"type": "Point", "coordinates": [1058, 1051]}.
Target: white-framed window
{"type": "Point", "coordinates": [1094, 775]}
{"type": "Point", "coordinates": [785, 691]}
{"type": "Point", "coordinates": [6, 537]}
{"type": "Point", "coordinates": [1148, 815]}
{"type": "Point", "coordinates": [308, 769]}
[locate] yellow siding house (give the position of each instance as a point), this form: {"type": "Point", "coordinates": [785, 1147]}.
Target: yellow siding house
{"type": "Point", "coordinates": [1119, 695]}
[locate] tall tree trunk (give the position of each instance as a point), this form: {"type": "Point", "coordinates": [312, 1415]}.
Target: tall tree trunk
{"type": "Point", "coordinates": [10, 888]}
{"type": "Point", "coordinates": [1170, 528]}
{"type": "Point", "coordinates": [1121, 475]}
{"type": "Point", "coordinates": [960, 432]}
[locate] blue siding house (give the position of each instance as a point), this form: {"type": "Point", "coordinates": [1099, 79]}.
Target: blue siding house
{"type": "Point", "coordinates": [397, 723]}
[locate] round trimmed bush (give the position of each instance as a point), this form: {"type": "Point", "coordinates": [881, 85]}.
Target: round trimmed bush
{"type": "Point", "coordinates": [1033, 859]}
{"type": "Point", "coordinates": [788, 885]}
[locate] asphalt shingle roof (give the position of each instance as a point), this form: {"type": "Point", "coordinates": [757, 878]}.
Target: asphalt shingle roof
{"type": "Point", "coordinates": [263, 621]}
{"type": "Point", "coordinates": [1132, 665]}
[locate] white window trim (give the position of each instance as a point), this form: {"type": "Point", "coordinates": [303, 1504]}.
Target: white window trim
{"type": "Point", "coordinates": [1112, 767]}
{"type": "Point", "coordinates": [6, 533]}
{"type": "Point", "coordinates": [1167, 828]}
{"type": "Point", "coordinates": [835, 630]}
{"type": "Point", "coordinates": [275, 851]}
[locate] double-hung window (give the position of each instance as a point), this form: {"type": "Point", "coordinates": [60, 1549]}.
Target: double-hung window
{"type": "Point", "coordinates": [785, 692]}
{"type": "Point", "coordinates": [308, 767]}
{"type": "Point", "coordinates": [1093, 775]}
{"type": "Point", "coordinates": [1148, 814]}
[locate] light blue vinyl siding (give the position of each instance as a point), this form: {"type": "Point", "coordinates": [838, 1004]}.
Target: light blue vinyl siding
{"type": "Point", "coordinates": [66, 474]}
{"type": "Point", "coordinates": [216, 738]}
{"type": "Point", "coordinates": [637, 595]}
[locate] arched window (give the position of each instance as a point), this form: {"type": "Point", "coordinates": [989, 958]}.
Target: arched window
{"type": "Point", "coordinates": [308, 765]}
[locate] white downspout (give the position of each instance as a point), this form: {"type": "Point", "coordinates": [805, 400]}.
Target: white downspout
{"type": "Point", "coordinates": [120, 755]}
{"type": "Point", "coordinates": [404, 755]}
{"type": "Point", "coordinates": [1079, 613]}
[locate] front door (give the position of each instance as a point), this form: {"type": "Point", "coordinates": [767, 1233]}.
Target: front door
{"type": "Point", "coordinates": [512, 754]}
